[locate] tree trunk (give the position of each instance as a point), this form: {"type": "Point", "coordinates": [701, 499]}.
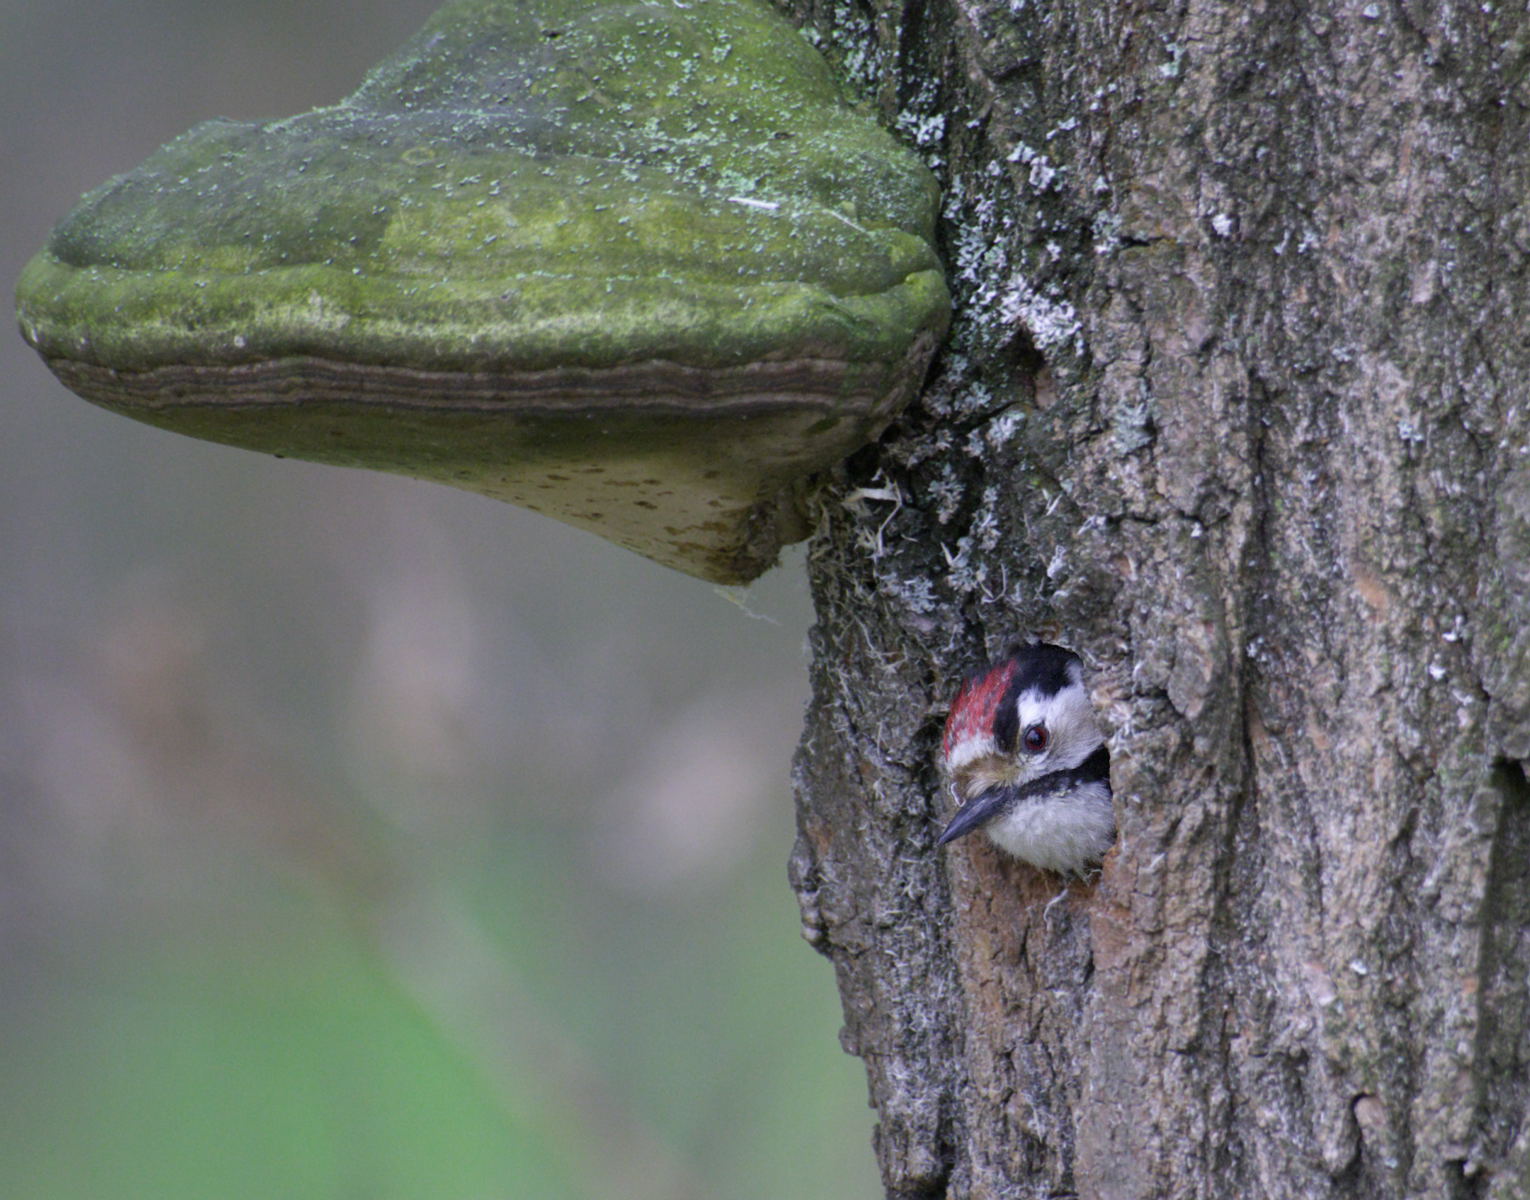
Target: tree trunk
{"type": "Point", "coordinates": [1235, 405]}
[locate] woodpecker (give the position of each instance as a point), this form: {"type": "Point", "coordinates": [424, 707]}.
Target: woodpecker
{"type": "Point", "coordinates": [1028, 763]}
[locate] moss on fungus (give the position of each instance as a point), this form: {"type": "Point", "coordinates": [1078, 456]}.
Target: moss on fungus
{"type": "Point", "coordinates": [650, 238]}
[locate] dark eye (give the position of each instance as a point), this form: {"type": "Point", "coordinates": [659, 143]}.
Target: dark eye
{"type": "Point", "coordinates": [1036, 739]}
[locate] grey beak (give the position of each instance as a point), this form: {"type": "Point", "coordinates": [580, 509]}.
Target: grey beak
{"type": "Point", "coordinates": [977, 812]}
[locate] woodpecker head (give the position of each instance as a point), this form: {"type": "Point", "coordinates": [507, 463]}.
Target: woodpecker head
{"type": "Point", "coordinates": [1027, 761]}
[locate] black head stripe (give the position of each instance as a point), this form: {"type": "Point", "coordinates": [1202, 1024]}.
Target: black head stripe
{"type": "Point", "coordinates": [1046, 668]}
{"type": "Point", "coordinates": [1006, 721]}
{"type": "Point", "coordinates": [1094, 769]}
{"type": "Point", "coordinates": [1043, 668]}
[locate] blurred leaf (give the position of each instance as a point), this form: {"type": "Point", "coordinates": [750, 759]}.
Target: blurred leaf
{"type": "Point", "coordinates": [298, 1071]}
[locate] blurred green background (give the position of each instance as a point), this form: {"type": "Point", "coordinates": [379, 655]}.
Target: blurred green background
{"type": "Point", "coordinates": [359, 838]}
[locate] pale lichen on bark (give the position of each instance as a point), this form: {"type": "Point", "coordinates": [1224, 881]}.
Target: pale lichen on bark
{"type": "Point", "coordinates": [1274, 488]}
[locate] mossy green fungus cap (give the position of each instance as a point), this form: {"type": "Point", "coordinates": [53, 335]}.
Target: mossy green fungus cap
{"type": "Point", "coordinates": [639, 266]}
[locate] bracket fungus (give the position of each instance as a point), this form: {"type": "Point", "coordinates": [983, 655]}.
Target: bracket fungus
{"type": "Point", "coordinates": [638, 265]}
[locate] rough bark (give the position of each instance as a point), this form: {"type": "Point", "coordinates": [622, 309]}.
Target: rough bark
{"type": "Point", "coordinates": [1236, 405]}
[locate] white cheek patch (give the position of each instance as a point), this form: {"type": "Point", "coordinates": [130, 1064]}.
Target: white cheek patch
{"type": "Point", "coordinates": [1070, 723]}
